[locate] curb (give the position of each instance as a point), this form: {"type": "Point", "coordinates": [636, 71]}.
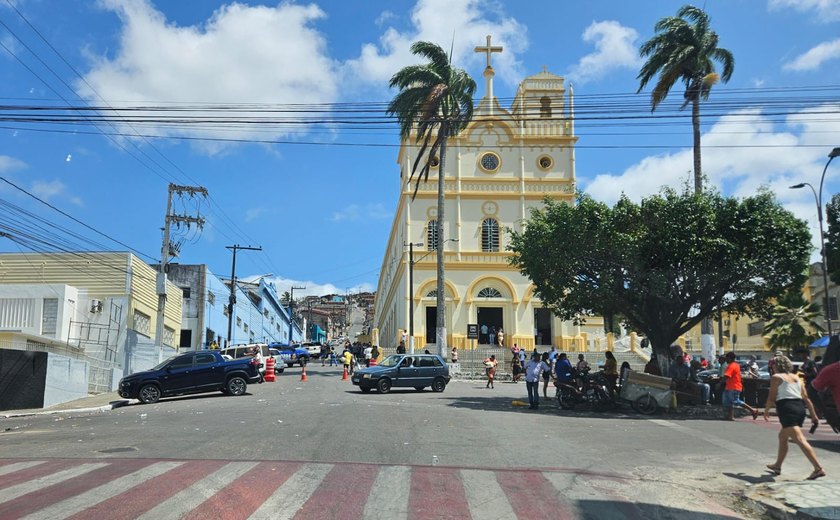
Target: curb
{"type": "Point", "coordinates": [770, 507]}
{"type": "Point", "coordinates": [96, 409]}
{"type": "Point", "coordinates": [766, 501]}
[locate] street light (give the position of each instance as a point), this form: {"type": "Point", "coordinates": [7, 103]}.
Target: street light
{"type": "Point", "coordinates": [818, 199]}
{"type": "Point", "coordinates": [411, 263]}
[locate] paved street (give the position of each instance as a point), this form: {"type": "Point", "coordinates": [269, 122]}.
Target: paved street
{"type": "Point", "coordinates": [321, 449]}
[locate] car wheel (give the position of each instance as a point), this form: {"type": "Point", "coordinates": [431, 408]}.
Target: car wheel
{"type": "Point", "coordinates": [438, 385]}
{"type": "Point", "coordinates": [236, 385]}
{"type": "Point", "coordinates": [419, 388]}
{"type": "Point", "coordinates": [149, 394]}
{"type": "Point", "coordinates": [383, 386]}
{"type": "Point", "coordinates": [364, 389]}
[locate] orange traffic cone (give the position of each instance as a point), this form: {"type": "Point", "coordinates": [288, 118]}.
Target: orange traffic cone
{"type": "Point", "coordinates": [303, 373]}
{"type": "Point", "coordinates": [344, 377]}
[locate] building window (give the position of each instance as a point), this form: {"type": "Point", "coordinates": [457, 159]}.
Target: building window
{"type": "Point", "coordinates": [755, 328]}
{"type": "Point", "coordinates": [545, 107]}
{"type": "Point", "coordinates": [432, 235]}
{"type": "Point", "coordinates": [489, 292]}
{"type": "Point", "coordinates": [545, 162]}
{"type": "Point", "coordinates": [168, 336]}
{"type": "Point", "coordinates": [186, 291]}
{"type": "Point", "coordinates": [142, 323]}
{"type": "Point", "coordinates": [238, 321]}
{"type": "Point", "coordinates": [490, 235]}
{"type": "Point", "coordinates": [832, 307]}
{"type": "Point", "coordinates": [265, 313]}
{"type": "Point", "coordinates": [211, 297]}
{"type": "Point", "coordinates": [245, 327]}
{"type": "Point", "coordinates": [49, 318]}
{"type": "Point", "coordinates": [489, 162]}
{"type": "Point", "coordinates": [432, 294]}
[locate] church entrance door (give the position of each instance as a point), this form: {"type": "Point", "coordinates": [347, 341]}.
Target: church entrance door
{"type": "Point", "coordinates": [490, 321]}
{"type": "Point", "coordinates": [542, 327]}
{"type": "Point", "coordinates": [431, 324]}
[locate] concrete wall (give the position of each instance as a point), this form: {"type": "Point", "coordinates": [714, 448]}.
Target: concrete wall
{"type": "Point", "coordinates": [67, 379]}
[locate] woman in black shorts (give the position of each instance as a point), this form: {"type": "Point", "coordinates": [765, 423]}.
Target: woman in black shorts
{"type": "Point", "coordinates": [788, 396]}
{"type": "Point", "coordinates": [546, 375]}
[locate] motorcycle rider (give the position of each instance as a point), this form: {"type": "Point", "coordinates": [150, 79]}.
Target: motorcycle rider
{"type": "Point", "coordinates": [563, 371]}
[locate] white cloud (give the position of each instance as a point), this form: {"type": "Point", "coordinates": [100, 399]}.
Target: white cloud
{"type": "Point", "coordinates": [752, 152]}
{"type": "Point", "coordinates": [356, 212]}
{"type": "Point", "coordinates": [253, 54]}
{"type": "Point", "coordinates": [439, 21]}
{"type": "Point", "coordinates": [8, 164]}
{"type": "Point", "coordinates": [316, 289]}
{"type": "Point", "coordinates": [55, 189]}
{"type": "Point", "coordinates": [615, 48]}
{"type": "Point", "coordinates": [384, 17]}
{"type": "Point", "coordinates": [814, 57]}
{"type": "Point", "coordinates": [253, 214]}
{"type": "Point", "coordinates": [826, 10]}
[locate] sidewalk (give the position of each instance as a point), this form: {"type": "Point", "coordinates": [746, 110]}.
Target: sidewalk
{"type": "Point", "coordinates": [91, 403]}
{"type": "Point", "coordinates": [789, 500]}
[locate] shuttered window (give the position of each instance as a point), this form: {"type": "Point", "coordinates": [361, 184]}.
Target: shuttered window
{"type": "Point", "coordinates": [490, 235]}
{"type": "Point", "coordinates": [432, 235]}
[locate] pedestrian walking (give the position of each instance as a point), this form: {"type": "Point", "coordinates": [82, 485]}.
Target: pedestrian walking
{"type": "Point", "coordinates": [516, 369]}
{"type": "Point", "coordinates": [367, 353]}
{"type": "Point", "coordinates": [501, 337]}
{"type": "Point", "coordinates": [789, 398]}
{"type": "Point", "coordinates": [348, 360]}
{"type": "Point", "coordinates": [490, 369]}
{"type": "Point", "coordinates": [533, 374]}
{"type": "Point", "coordinates": [453, 357]}
{"type": "Point", "coordinates": [546, 375]}
{"type": "Point", "coordinates": [732, 389]}
{"type": "Point", "coordinates": [484, 334]}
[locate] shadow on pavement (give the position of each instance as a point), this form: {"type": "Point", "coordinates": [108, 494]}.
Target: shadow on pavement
{"type": "Point", "coordinates": [751, 479]}
{"type": "Point", "coordinates": [828, 445]}
{"type": "Point", "coordinates": [601, 509]}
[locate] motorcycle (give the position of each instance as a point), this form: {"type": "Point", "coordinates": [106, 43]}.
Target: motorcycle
{"type": "Point", "coordinates": [589, 389]}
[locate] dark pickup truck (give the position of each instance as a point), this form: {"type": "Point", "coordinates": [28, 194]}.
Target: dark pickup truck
{"type": "Point", "coordinates": [191, 373]}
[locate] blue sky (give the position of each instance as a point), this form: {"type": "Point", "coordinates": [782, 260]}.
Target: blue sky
{"type": "Point", "coordinates": [320, 204]}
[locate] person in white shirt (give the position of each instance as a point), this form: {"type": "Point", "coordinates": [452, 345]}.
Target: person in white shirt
{"type": "Point", "coordinates": [533, 373]}
{"type": "Point", "coordinates": [368, 355]}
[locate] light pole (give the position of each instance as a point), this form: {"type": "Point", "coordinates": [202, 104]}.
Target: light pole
{"type": "Point", "coordinates": [818, 199]}
{"type": "Point", "coordinates": [411, 263]}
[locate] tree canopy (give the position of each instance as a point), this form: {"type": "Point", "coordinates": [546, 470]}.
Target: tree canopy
{"type": "Point", "coordinates": [664, 264]}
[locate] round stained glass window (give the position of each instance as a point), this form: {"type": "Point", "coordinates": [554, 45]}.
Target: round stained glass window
{"type": "Point", "coordinates": [489, 162]}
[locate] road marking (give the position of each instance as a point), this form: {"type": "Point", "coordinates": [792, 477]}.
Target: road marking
{"type": "Point", "coordinates": [485, 496]}
{"type": "Point", "coordinates": [437, 492]}
{"type": "Point", "coordinates": [291, 496]}
{"type": "Point", "coordinates": [720, 442]}
{"type": "Point", "coordinates": [191, 497]}
{"type": "Point", "coordinates": [17, 466]}
{"type": "Point", "coordinates": [13, 492]}
{"type": "Point", "coordinates": [96, 495]}
{"type": "Point", "coordinates": [388, 499]}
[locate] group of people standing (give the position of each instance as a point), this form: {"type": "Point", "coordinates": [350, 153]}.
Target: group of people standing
{"type": "Point", "coordinates": [490, 335]}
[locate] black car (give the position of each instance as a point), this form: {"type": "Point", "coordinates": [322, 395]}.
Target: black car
{"type": "Point", "coordinates": [194, 372]}
{"type": "Point", "coordinates": [404, 370]}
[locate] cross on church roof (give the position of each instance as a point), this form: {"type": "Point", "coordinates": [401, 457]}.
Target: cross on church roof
{"type": "Point", "coordinates": [488, 49]}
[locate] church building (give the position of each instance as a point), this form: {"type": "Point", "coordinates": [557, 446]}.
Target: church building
{"type": "Point", "coordinates": [503, 164]}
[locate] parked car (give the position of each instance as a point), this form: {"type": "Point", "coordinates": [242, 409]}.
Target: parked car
{"type": "Point", "coordinates": [314, 349]}
{"type": "Point", "coordinates": [193, 372]}
{"type": "Point", "coordinates": [403, 370]}
{"type": "Point", "coordinates": [291, 354]}
{"type": "Point", "coordinates": [245, 351]}
{"type": "Point", "coordinates": [279, 364]}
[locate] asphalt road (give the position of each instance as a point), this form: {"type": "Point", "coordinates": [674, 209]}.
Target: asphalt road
{"type": "Point", "coordinates": [667, 461]}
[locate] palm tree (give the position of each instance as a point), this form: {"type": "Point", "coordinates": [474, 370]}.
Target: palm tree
{"type": "Point", "coordinates": [685, 51]}
{"type": "Point", "coordinates": [793, 324]}
{"type": "Point", "coordinates": [436, 101]}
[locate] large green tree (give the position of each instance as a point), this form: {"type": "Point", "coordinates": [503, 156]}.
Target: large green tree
{"type": "Point", "coordinates": [434, 103]}
{"type": "Point", "coordinates": [832, 238]}
{"type": "Point", "coordinates": [793, 322]}
{"type": "Point", "coordinates": [665, 264]}
{"type": "Point", "coordinates": [685, 49]}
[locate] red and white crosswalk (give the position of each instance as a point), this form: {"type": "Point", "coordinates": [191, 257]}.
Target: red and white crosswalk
{"type": "Point", "coordinates": [91, 489]}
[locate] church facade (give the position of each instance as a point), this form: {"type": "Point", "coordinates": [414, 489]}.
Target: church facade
{"type": "Point", "coordinates": [500, 167]}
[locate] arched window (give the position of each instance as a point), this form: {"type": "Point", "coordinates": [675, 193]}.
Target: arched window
{"type": "Point", "coordinates": [545, 106]}
{"type": "Point", "coordinates": [489, 292]}
{"type": "Point", "coordinates": [432, 235]}
{"type": "Point", "coordinates": [432, 294]}
{"type": "Point", "coordinates": [490, 235]}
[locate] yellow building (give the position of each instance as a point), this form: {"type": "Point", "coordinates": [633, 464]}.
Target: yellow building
{"type": "Point", "coordinates": [501, 166]}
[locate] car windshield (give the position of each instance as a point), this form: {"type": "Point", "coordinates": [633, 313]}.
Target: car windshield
{"type": "Point", "coordinates": [390, 361]}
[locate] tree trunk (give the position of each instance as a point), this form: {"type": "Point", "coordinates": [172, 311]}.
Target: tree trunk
{"type": "Point", "coordinates": [661, 346]}
{"type": "Point", "coordinates": [440, 326]}
{"type": "Point", "coordinates": [695, 124]}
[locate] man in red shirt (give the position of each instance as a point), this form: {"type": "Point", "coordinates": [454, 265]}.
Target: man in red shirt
{"type": "Point", "coordinates": [829, 379]}
{"type": "Point", "coordinates": [733, 388]}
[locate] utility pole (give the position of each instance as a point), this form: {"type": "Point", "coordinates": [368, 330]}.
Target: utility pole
{"type": "Point", "coordinates": [232, 298]}
{"type": "Point", "coordinates": [168, 250]}
{"type": "Point", "coordinates": [292, 312]}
